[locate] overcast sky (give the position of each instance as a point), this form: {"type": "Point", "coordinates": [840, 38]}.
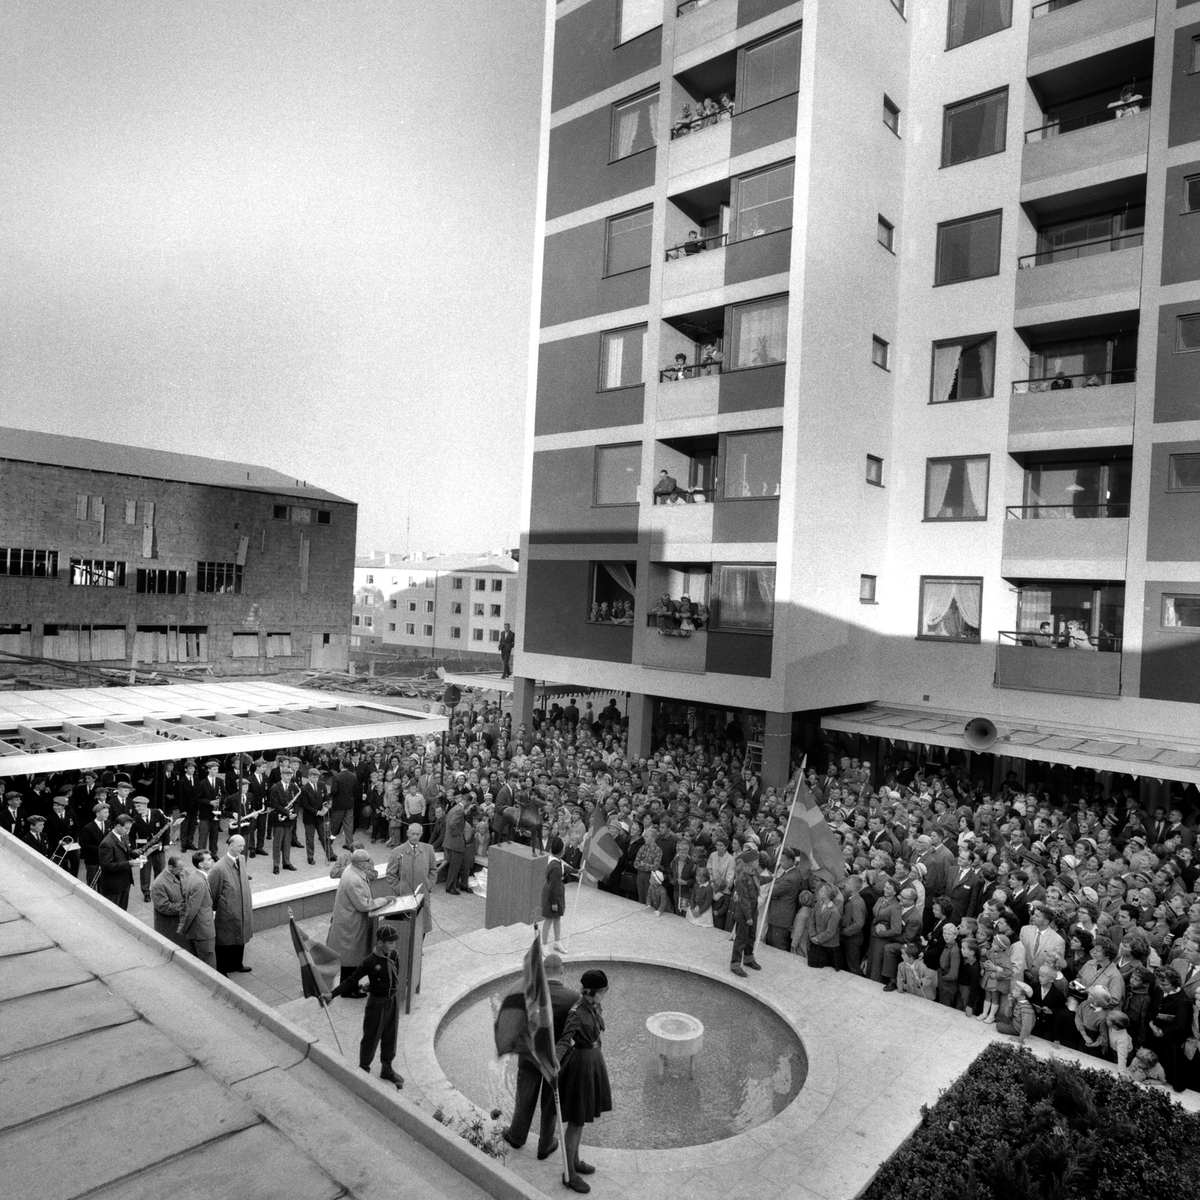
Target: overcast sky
{"type": "Point", "coordinates": [291, 232]}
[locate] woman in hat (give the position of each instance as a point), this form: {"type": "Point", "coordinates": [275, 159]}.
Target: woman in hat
{"type": "Point", "coordinates": [583, 1087]}
{"type": "Point", "coordinates": [554, 895]}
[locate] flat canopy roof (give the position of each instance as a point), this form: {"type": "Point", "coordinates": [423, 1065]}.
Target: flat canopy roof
{"type": "Point", "coordinates": [491, 681]}
{"type": "Point", "coordinates": [44, 731]}
{"type": "Point", "coordinates": [1157, 758]}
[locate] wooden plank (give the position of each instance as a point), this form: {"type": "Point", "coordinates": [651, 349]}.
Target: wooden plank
{"type": "Point", "coordinates": [38, 737]}
{"type": "Point", "coordinates": [96, 737]}
{"type": "Point", "coordinates": [211, 728]}
{"type": "Point", "coordinates": [172, 729]}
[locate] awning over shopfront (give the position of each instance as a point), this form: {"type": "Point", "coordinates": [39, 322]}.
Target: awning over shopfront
{"type": "Point", "coordinates": [1157, 758]}
{"type": "Point", "coordinates": [44, 731]}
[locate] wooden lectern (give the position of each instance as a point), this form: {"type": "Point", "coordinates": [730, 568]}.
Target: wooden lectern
{"type": "Point", "coordinates": [405, 914]}
{"type": "Point", "coordinates": [515, 880]}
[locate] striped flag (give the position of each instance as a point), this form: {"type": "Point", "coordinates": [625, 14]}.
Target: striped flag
{"type": "Point", "coordinates": [319, 966]}
{"type": "Point", "coordinates": [601, 852]}
{"type": "Point", "coordinates": [525, 1019]}
{"type": "Point", "coordinates": [809, 835]}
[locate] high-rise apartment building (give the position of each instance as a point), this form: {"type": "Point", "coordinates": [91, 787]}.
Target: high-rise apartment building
{"type": "Point", "coordinates": [868, 373]}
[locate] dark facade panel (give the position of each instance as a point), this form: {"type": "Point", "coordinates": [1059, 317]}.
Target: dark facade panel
{"type": "Point", "coordinates": [746, 521]}
{"type": "Point", "coordinates": [1170, 657]}
{"type": "Point", "coordinates": [1177, 386]}
{"type": "Point", "coordinates": [756, 258]}
{"type": "Point", "coordinates": [1174, 526]}
{"type": "Point", "coordinates": [739, 653]}
{"type": "Point", "coordinates": [1185, 91]}
{"type": "Point", "coordinates": [567, 395]}
{"type": "Point", "coordinates": [751, 389]}
{"type": "Point", "coordinates": [765, 125]}
{"type": "Point", "coordinates": [573, 282]}
{"type": "Point", "coordinates": [1181, 230]}
{"type": "Point", "coordinates": [580, 173]}
{"type": "Point", "coordinates": [561, 509]}
{"type": "Point", "coordinates": [556, 612]}
{"type": "Point", "coordinates": [587, 58]}
{"type": "Point", "coordinates": [750, 11]}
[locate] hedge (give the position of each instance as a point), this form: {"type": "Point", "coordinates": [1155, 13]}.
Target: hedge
{"type": "Point", "coordinates": [1013, 1127]}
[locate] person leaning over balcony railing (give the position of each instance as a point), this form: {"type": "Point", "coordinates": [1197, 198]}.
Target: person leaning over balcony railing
{"type": "Point", "coordinates": [710, 364]}
{"type": "Point", "coordinates": [665, 487]}
{"type": "Point", "coordinates": [1127, 103]}
{"type": "Point", "coordinates": [680, 370]}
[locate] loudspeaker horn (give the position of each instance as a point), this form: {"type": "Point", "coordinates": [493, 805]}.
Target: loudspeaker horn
{"type": "Point", "coordinates": [980, 733]}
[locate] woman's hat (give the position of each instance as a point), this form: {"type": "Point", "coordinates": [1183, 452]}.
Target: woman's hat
{"type": "Point", "coordinates": [593, 980]}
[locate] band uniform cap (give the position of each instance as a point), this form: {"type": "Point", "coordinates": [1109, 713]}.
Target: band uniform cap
{"type": "Point", "coordinates": [123, 781]}
{"type": "Point", "coordinates": [36, 820]}
{"type": "Point", "coordinates": [212, 762]}
{"type": "Point", "coordinates": [141, 800]}
{"type": "Point", "coordinates": [13, 795]}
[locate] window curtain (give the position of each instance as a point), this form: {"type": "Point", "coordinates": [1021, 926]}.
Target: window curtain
{"type": "Point", "coordinates": [957, 489]}
{"type": "Point", "coordinates": [614, 360]}
{"type": "Point", "coordinates": [620, 575]}
{"type": "Point", "coordinates": [985, 351]}
{"type": "Point", "coordinates": [637, 126]}
{"type": "Point", "coordinates": [936, 488]}
{"type": "Point", "coordinates": [975, 487]}
{"type": "Point", "coordinates": [945, 370]}
{"type": "Point", "coordinates": [951, 608]}
{"type": "Point", "coordinates": [1033, 607]}
{"type": "Point", "coordinates": [761, 334]}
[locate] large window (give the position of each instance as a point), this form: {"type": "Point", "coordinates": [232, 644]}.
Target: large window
{"type": "Point", "coordinates": [622, 352]}
{"type": "Point", "coordinates": [769, 70]}
{"type": "Point", "coordinates": [956, 489]}
{"type": "Point", "coordinates": [618, 473]}
{"type": "Point", "coordinates": [763, 202]}
{"type": "Point", "coordinates": [745, 597]}
{"type": "Point", "coordinates": [1070, 616]}
{"type": "Point", "coordinates": [758, 332]}
{"type": "Point", "coordinates": [34, 564]}
{"type": "Point", "coordinates": [635, 125]}
{"type": "Point", "coordinates": [85, 643]}
{"type": "Point", "coordinates": [950, 608]}
{"type": "Point", "coordinates": [974, 128]}
{"type": "Point", "coordinates": [161, 583]}
{"type": "Point", "coordinates": [751, 464]}
{"type": "Point", "coordinates": [97, 572]}
{"type": "Point", "coordinates": [1077, 490]}
{"type": "Point", "coordinates": [1083, 362]}
{"type": "Point", "coordinates": [635, 17]}
{"type": "Point", "coordinates": [963, 368]}
{"type": "Point", "coordinates": [968, 248]}
{"type": "Point", "coordinates": [219, 578]}
{"type": "Point", "coordinates": [1191, 194]}
{"type": "Point", "coordinates": [974, 19]}
{"type": "Point", "coordinates": [613, 586]}
{"type": "Point", "coordinates": [1187, 332]}
{"type": "Point", "coordinates": [1180, 611]}
{"type": "Point", "coordinates": [245, 645]}
{"type": "Point", "coordinates": [1184, 473]}
{"type": "Point", "coordinates": [628, 243]}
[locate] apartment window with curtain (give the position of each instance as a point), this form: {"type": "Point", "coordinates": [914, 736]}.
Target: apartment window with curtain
{"type": "Point", "coordinates": [635, 125]}
{"type": "Point", "coordinates": [758, 332]}
{"type": "Point", "coordinates": [968, 248]}
{"type": "Point", "coordinates": [762, 202]}
{"type": "Point", "coordinates": [622, 353]}
{"type": "Point", "coordinates": [769, 70]}
{"type": "Point", "coordinates": [950, 608]}
{"type": "Point", "coordinates": [627, 244]}
{"type": "Point", "coordinates": [745, 597]}
{"type": "Point", "coordinates": [1183, 474]}
{"type": "Point", "coordinates": [1181, 611]}
{"type": "Point", "coordinates": [956, 489]}
{"type": "Point", "coordinates": [635, 17]}
{"type": "Point", "coordinates": [970, 20]}
{"type": "Point", "coordinates": [611, 590]}
{"type": "Point", "coordinates": [618, 472]}
{"type": "Point", "coordinates": [1187, 333]}
{"type": "Point", "coordinates": [963, 368]}
{"type": "Point", "coordinates": [974, 128]}
{"type": "Point", "coordinates": [751, 465]}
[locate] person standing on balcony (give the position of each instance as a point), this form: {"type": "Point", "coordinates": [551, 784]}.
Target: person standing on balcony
{"type": "Point", "coordinates": [678, 371]}
{"type": "Point", "coordinates": [1128, 103]}
{"type": "Point", "coordinates": [507, 641]}
{"type": "Point", "coordinates": [665, 487]}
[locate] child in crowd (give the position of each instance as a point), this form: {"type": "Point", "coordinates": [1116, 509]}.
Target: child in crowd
{"type": "Point", "coordinates": [1146, 1068]}
{"type": "Point", "coordinates": [970, 978]}
{"type": "Point", "coordinates": [949, 964]}
{"type": "Point", "coordinates": [1120, 1044]}
{"type": "Point", "coordinates": [997, 975]}
{"type": "Point", "coordinates": [914, 976]}
{"type": "Point", "coordinates": [656, 894]}
{"type": "Point", "coordinates": [700, 911]}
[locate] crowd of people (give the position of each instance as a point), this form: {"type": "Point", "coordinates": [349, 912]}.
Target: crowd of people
{"type": "Point", "coordinates": [1056, 910]}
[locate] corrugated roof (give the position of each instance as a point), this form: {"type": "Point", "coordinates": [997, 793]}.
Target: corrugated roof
{"type": "Point", "coordinates": [29, 445]}
{"type": "Point", "coordinates": [442, 562]}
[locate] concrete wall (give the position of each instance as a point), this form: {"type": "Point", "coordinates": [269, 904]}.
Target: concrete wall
{"type": "Point", "coordinates": [587, 58]}
{"type": "Point", "coordinates": [1181, 230]}
{"type": "Point", "coordinates": [1177, 379]}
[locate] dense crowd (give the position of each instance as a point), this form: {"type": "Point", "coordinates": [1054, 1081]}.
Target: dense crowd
{"type": "Point", "coordinates": [1057, 911]}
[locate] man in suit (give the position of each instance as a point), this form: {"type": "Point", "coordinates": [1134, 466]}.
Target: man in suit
{"type": "Point", "coordinates": [508, 639]}
{"type": "Point", "coordinates": [148, 823]}
{"type": "Point", "coordinates": [116, 863]}
{"type": "Point", "coordinates": [966, 887]}
{"type": "Point", "coordinates": [187, 796]}
{"type": "Point", "coordinates": [90, 837]}
{"type": "Point", "coordinates": [35, 837]}
{"type": "Point", "coordinates": [314, 808]}
{"type": "Point", "coordinates": [233, 911]}
{"type": "Point", "coordinates": [209, 799]}
{"type": "Point", "coordinates": [571, 713]}
{"type": "Point", "coordinates": [197, 925]}
{"type": "Point", "coordinates": [11, 820]}
{"type": "Point", "coordinates": [1176, 828]}
{"type": "Point", "coordinates": [781, 912]}
{"type": "Point", "coordinates": [878, 837]}
{"type": "Point", "coordinates": [531, 1085]}
{"type": "Point", "coordinates": [63, 824]}
{"type": "Point", "coordinates": [83, 796]}
{"type": "Point", "coordinates": [281, 801]}
{"type": "Point", "coordinates": [120, 798]}
{"type": "Point", "coordinates": [344, 803]}
{"type": "Point", "coordinates": [1187, 967]}
{"type": "Point", "coordinates": [166, 900]}
{"type": "Point", "coordinates": [455, 846]}
{"type": "Point", "coordinates": [911, 916]}
{"type": "Point", "coordinates": [853, 925]}
{"type": "Point", "coordinates": [1042, 943]}
{"type": "Point", "coordinates": [411, 867]}
{"type": "Point", "coordinates": [259, 789]}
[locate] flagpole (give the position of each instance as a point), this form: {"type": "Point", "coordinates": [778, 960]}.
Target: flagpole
{"type": "Point", "coordinates": [762, 924]}
{"type": "Point", "coordinates": [325, 1010]}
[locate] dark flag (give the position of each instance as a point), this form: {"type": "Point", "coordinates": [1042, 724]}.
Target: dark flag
{"type": "Point", "coordinates": [525, 1020]}
{"type": "Point", "coordinates": [319, 966]}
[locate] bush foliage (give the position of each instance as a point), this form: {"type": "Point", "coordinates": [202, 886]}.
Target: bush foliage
{"type": "Point", "coordinates": [1012, 1127]}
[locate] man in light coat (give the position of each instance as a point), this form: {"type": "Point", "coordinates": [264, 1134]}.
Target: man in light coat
{"type": "Point", "coordinates": [350, 934]}
{"type": "Point", "coordinates": [1043, 945]}
{"type": "Point", "coordinates": [166, 899]}
{"type": "Point", "coordinates": [412, 866]}
{"type": "Point", "coordinates": [233, 912]}
{"type": "Point", "coordinates": [197, 926]}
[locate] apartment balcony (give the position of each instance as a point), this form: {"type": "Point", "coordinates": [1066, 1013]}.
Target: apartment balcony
{"type": "Point", "coordinates": [1065, 541]}
{"type": "Point", "coordinates": [699, 22]}
{"type": "Point", "coordinates": [695, 395]}
{"type": "Point", "coordinates": [694, 267]}
{"type": "Point", "coordinates": [1090, 155]}
{"type": "Point", "coordinates": [1067, 30]}
{"type": "Point", "coordinates": [673, 652]}
{"type": "Point", "coordinates": [1091, 278]}
{"type": "Point", "coordinates": [1024, 664]}
{"type": "Point", "coordinates": [680, 532]}
{"type": "Point", "coordinates": [706, 147]}
{"type": "Point", "coordinates": [1094, 411]}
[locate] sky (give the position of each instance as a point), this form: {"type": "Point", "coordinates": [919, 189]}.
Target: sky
{"type": "Point", "coordinates": [296, 233]}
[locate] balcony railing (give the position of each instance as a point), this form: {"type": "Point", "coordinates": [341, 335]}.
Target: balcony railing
{"type": "Point", "coordinates": [690, 371]}
{"type": "Point", "coordinates": [708, 112]}
{"type": "Point", "coordinates": [1067, 512]}
{"type": "Point", "coordinates": [1111, 112]}
{"type": "Point", "coordinates": [689, 6]}
{"type": "Point", "coordinates": [1065, 639]}
{"type": "Point", "coordinates": [1051, 6]}
{"type": "Point", "coordinates": [685, 495]}
{"type": "Point", "coordinates": [1116, 241]}
{"type": "Point", "coordinates": [674, 624]}
{"type": "Point", "coordinates": [697, 246]}
{"type": "Point", "coordinates": [1086, 379]}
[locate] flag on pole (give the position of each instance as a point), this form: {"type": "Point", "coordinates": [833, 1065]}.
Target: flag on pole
{"type": "Point", "coordinates": [808, 833]}
{"type": "Point", "coordinates": [525, 1019]}
{"type": "Point", "coordinates": [601, 852]}
{"type": "Point", "coordinates": [319, 966]}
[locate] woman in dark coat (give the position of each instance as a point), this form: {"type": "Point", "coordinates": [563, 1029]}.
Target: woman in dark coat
{"type": "Point", "coordinates": [554, 895]}
{"type": "Point", "coordinates": [584, 1092]}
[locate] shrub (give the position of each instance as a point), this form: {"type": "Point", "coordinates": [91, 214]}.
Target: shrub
{"type": "Point", "coordinates": [1012, 1127]}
